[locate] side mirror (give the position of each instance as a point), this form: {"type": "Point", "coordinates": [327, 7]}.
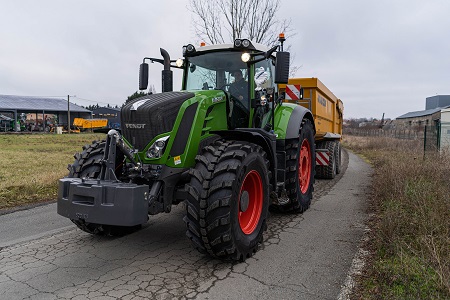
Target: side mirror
{"type": "Point", "coordinates": [282, 67]}
{"type": "Point", "coordinates": [143, 76]}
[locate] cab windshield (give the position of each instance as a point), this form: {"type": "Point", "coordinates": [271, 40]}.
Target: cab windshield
{"type": "Point", "coordinates": [215, 70]}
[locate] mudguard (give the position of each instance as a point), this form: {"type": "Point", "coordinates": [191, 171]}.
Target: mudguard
{"type": "Point", "coordinates": [288, 120]}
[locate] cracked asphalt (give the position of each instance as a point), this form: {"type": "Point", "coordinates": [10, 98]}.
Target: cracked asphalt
{"type": "Point", "coordinates": [305, 256]}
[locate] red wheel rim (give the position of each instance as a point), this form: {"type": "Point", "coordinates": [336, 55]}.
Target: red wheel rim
{"type": "Point", "coordinates": [251, 187]}
{"type": "Point", "coordinates": [304, 166]}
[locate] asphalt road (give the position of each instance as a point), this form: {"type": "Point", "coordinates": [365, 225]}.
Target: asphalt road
{"type": "Point", "coordinates": [303, 256]}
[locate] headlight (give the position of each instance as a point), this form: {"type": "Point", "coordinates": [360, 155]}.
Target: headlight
{"type": "Point", "coordinates": [245, 43]}
{"type": "Point", "coordinates": [188, 49]}
{"type": "Point", "coordinates": [157, 148]}
{"type": "Point", "coordinates": [245, 57]}
{"type": "Point", "coordinates": [179, 62]}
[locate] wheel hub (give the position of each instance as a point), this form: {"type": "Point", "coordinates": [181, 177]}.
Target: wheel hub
{"type": "Point", "coordinates": [244, 201]}
{"type": "Point", "coordinates": [250, 202]}
{"type": "Point", "coordinates": [304, 166]}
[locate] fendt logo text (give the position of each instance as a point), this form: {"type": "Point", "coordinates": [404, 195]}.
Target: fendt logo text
{"type": "Point", "coordinates": [135, 126]}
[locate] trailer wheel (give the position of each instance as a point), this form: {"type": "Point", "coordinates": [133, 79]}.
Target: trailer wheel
{"type": "Point", "coordinates": [228, 198]}
{"type": "Point", "coordinates": [328, 172]}
{"type": "Point", "coordinates": [300, 166]}
{"type": "Point", "coordinates": [338, 156]}
{"type": "Point", "coordinates": [88, 165]}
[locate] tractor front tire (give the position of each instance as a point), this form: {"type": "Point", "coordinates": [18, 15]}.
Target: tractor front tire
{"type": "Point", "coordinates": [88, 164]}
{"type": "Point", "coordinates": [300, 167]}
{"type": "Point", "coordinates": [228, 199]}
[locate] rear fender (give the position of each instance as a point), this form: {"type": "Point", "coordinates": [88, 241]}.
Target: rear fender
{"type": "Point", "coordinates": [288, 120]}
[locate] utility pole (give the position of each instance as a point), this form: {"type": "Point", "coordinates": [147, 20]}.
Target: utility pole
{"type": "Point", "coordinates": [68, 114]}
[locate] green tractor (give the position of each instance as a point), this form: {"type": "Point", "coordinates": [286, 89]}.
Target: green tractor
{"type": "Point", "coordinates": [226, 145]}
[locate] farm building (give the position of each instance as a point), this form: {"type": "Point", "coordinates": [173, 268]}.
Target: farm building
{"type": "Point", "coordinates": [110, 113]}
{"type": "Point", "coordinates": [445, 129]}
{"type": "Point", "coordinates": [433, 122]}
{"type": "Point", "coordinates": [431, 116]}
{"type": "Point", "coordinates": [38, 113]}
{"type": "Point", "coordinates": [437, 101]}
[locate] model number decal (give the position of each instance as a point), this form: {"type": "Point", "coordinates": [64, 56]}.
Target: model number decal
{"type": "Point", "coordinates": [81, 216]}
{"type": "Point", "coordinates": [322, 101]}
{"type": "Point", "coordinates": [217, 99]}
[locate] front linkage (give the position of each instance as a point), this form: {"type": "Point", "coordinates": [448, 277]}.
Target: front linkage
{"type": "Point", "coordinates": [96, 200]}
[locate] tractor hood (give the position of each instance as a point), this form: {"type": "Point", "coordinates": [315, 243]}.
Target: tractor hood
{"type": "Point", "coordinates": [144, 118]}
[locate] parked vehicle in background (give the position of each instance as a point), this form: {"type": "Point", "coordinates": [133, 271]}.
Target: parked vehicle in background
{"type": "Point", "coordinates": [89, 124]}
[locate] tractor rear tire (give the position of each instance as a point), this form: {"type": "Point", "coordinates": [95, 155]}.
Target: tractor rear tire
{"type": "Point", "coordinates": [300, 167]}
{"type": "Point", "coordinates": [88, 165]}
{"type": "Point", "coordinates": [227, 200]}
{"type": "Point", "coordinates": [328, 172]}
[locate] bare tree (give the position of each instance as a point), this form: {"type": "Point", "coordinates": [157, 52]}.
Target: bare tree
{"type": "Point", "coordinates": [222, 21]}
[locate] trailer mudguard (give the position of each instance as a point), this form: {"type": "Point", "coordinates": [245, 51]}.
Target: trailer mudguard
{"type": "Point", "coordinates": [288, 120]}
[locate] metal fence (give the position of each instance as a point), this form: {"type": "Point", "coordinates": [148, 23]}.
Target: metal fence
{"type": "Point", "coordinates": [431, 138]}
{"type": "Point", "coordinates": [444, 133]}
{"type": "Point", "coordinates": [405, 134]}
{"type": "Point", "coordinates": [435, 138]}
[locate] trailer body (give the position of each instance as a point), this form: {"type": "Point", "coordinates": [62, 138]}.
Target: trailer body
{"type": "Point", "coordinates": [327, 110]}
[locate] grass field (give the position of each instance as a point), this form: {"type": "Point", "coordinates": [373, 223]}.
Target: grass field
{"type": "Point", "coordinates": [410, 230]}
{"type": "Point", "coordinates": [30, 165]}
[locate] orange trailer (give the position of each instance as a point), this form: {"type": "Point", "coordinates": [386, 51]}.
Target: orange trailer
{"type": "Point", "coordinates": [328, 119]}
{"type": "Point", "coordinates": [85, 124]}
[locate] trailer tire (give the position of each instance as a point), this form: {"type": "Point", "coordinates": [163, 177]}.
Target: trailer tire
{"type": "Point", "coordinates": [88, 165]}
{"type": "Point", "coordinates": [338, 156]}
{"type": "Point", "coordinates": [328, 172]}
{"type": "Point", "coordinates": [300, 167]}
{"type": "Point", "coordinates": [227, 200]}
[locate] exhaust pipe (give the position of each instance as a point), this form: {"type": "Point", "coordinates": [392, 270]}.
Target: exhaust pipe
{"type": "Point", "coordinates": [167, 76]}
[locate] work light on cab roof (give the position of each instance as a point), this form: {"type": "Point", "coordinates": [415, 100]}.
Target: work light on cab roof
{"type": "Point", "coordinates": [243, 43]}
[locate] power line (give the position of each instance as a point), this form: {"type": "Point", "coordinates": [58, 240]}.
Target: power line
{"type": "Point", "coordinates": [40, 96]}
{"type": "Point", "coordinates": [93, 101]}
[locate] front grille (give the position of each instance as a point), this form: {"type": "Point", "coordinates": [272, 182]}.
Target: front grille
{"type": "Point", "coordinates": [146, 117]}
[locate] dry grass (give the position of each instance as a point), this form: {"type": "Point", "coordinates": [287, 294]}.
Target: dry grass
{"type": "Point", "coordinates": [411, 231]}
{"type": "Point", "coordinates": [30, 165]}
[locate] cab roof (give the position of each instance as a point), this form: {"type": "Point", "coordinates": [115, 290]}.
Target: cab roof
{"type": "Point", "coordinates": [257, 46]}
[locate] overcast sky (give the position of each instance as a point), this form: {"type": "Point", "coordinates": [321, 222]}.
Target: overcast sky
{"type": "Point", "coordinates": [377, 56]}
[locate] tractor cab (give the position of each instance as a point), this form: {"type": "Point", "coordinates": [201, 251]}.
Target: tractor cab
{"type": "Point", "coordinates": [245, 71]}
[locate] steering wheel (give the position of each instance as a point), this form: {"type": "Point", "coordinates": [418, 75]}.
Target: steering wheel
{"type": "Point", "coordinates": [229, 88]}
{"type": "Point", "coordinates": [232, 90]}
{"type": "Point", "coordinates": [238, 104]}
